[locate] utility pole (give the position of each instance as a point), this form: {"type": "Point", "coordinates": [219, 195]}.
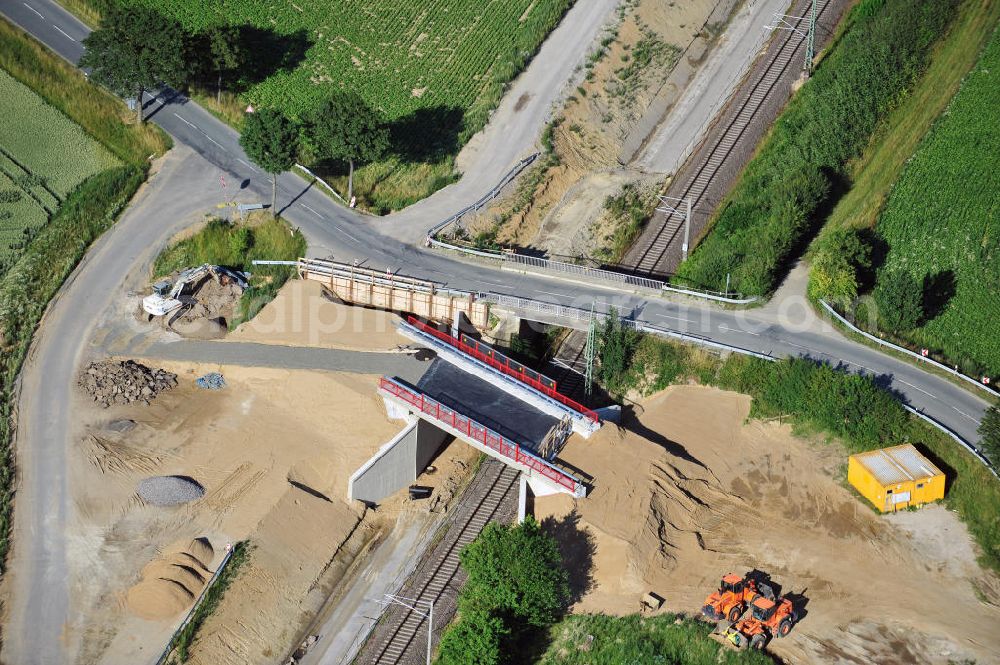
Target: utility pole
{"type": "Point", "coordinates": [791, 23]}
{"type": "Point", "coordinates": [668, 206]}
{"type": "Point", "coordinates": [390, 599]}
{"type": "Point", "coordinates": [811, 39]}
{"type": "Point", "coordinates": [589, 352]}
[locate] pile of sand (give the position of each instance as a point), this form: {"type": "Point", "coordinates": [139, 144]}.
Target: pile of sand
{"type": "Point", "coordinates": [316, 475]}
{"type": "Point", "coordinates": [171, 583]}
{"type": "Point", "coordinates": [303, 315]}
{"type": "Point", "coordinates": [687, 491]}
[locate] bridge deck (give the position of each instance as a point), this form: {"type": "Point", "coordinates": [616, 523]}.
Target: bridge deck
{"type": "Point", "coordinates": [487, 404]}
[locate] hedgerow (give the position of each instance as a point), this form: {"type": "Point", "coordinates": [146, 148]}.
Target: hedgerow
{"type": "Point", "coordinates": [774, 208]}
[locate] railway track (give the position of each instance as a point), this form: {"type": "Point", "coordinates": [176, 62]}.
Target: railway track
{"type": "Point", "coordinates": [401, 638]}
{"type": "Point", "coordinates": [658, 250]}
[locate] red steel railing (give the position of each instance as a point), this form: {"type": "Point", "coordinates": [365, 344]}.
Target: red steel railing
{"type": "Point", "coordinates": [484, 435]}
{"type": "Point", "coordinates": [509, 371]}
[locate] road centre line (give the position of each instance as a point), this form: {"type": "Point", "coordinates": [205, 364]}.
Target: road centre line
{"type": "Point", "coordinates": [190, 124]}
{"type": "Point", "coordinates": [675, 318]}
{"type": "Point", "coordinates": [551, 293]}
{"type": "Point", "coordinates": [345, 233]}
{"type": "Point", "coordinates": [740, 331]}
{"type": "Point", "coordinates": [311, 210]}
{"type": "Point", "coordinates": [965, 414]}
{"type": "Point", "coordinates": [61, 30]}
{"type": "Point", "coordinates": [916, 388]}
{"type": "Point", "coordinates": [246, 164]}
{"type": "Point", "coordinates": [33, 9]}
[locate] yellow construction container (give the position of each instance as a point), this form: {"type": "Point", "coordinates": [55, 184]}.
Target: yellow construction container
{"type": "Point", "coordinates": [895, 478]}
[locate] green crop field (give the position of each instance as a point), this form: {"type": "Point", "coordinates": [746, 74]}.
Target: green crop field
{"type": "Point", "coordinates": [43, 156]}
{"type": "Point", "coordinates": [942, 221]}
{"type": "Point", "coordinates": [434, 69]}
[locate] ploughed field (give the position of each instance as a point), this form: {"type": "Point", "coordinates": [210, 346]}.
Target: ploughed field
{"type": "Point", "coordinates": [43, 156]}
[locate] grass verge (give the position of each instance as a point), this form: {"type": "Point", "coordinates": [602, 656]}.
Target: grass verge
{"type": "Point", "coordinates": [102, 116]}
{"type": "Point", "coordinates": [182, 641]}
{"type": "Point", "coordinates": [598, 639]}
{"type": "Point", "coordinates": [801, 167]}
{"type": "Point", "coordinates": [34, 279]}
{"type": "Point", "coordinates": [238, 245]}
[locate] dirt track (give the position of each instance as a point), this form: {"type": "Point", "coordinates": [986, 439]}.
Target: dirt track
{"type": "Point", "coordinates": [689, 492]}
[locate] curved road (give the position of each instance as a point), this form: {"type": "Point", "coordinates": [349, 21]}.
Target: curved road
{"type": "Point", "coordinates": [40, 628]}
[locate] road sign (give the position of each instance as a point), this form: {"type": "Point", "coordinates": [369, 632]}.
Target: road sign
{"type": "Point", "coordinates": [924, 352]}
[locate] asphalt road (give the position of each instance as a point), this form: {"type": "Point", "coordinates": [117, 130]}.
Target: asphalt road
{"type": "Point", "coordinates": [39, 627]}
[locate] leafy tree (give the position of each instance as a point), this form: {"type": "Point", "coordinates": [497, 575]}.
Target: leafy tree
{"type": "Point", "coordinates": [836, 266]}
{"type": "Point", "coordinates": [515, 571]}
{"type": "Point", "coordinates": [137, 49]}
{"type": "Point", "coordinates": [473, 640]}
{"type": "Point", "coordinates": [900, 301]}
{"type": "Point", "coordinates": [345, 128]}
{"type": "Point", "coordinates": [225, 53]}
{"type": "Point", "coordinates": [616, 346]}
{"type": "Point", "coordinates": [271, 141]}
{"type": "Point", "coordinates": [989, 429]}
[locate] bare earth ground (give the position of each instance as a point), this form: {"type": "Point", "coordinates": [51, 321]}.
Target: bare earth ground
{"type": "Point", "coordinates": [690, 491]}
{"type": "Point", "coordinates": [242, 444]}
{"type": "Point", "coordinates": [565, 214]}
{"type": "Point", "coordinates": [301, 315]}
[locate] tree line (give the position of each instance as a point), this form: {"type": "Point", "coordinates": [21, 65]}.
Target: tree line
{"type": "Point", "coordinates": [137, 49]}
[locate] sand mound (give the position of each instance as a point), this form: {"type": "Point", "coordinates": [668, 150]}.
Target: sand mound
{"type": "Point", "coordinates": [170, 490]}
{"type": "Point", "coordinates": [158, 599]}
{"type": "Point", "coordinates": [190, 578]}
{"type": "Point", "coordinates": [315, 475]}
{"type": "Point", "coordinates": [171, 583]}
{"type": "Point", "coordinates": [199, 548]}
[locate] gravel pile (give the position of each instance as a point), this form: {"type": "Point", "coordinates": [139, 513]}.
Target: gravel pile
{"type": "Point", "coordinates": [169, 490]}
{"type": "Point", "coordinates": [123, 382]}
{"type": "Point", "coordinates": [211, 381]}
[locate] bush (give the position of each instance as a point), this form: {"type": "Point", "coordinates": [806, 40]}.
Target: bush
{"type": "Point", "coordinates": [900, 302]}
{"type": "Point", "coordinates": [989, 429]}
{"type": "Point", "coordinates": [516, 585]}
{"type": "Point", "coordinates": [515, 571]}
{"type": "Point", "coordinates": [616, 346]}
{"type": "Point", "coordinates": [840, 258]}
{"type": "Point", "coordinates": [772, 209]}
{"type": "Point", "coordinates": [472, 640]}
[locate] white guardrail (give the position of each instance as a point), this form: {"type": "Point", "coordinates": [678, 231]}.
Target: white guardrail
{"type": "Point", "coordinates": [548, 265]}
{"type": "Point", "coordinates": [975, 453]}
{"type": "Point", "coordinates": [578, 314]}
{"type": "Point", "coordinates": [895, 347]}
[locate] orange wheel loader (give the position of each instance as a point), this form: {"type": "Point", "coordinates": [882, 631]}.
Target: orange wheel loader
{"type": "Point", "coordinates": [768, 617]}
{"type": "Point", "coordinates": [731, 600]}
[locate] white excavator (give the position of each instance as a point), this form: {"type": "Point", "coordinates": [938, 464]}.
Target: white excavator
{"type": "Point", "coordinates": [165, 297]}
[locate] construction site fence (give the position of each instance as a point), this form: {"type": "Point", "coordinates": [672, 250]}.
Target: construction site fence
{"type": "Point", "coordinates": [507, 361]}
{"type": "Point", "coordinates": [511, 371]}
{"type": "Point", "coordinates": [436, 411]}
{"type": "Point", "coordinates": [895, 347]}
